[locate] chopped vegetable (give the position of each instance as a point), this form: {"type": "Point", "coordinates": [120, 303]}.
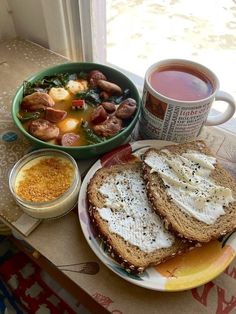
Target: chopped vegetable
{"type": "Point", "coordinates": [119, 99]}
{"type": "Point", "coordinates": [82, 75]}
{"type": "Point", "coordinates": [91, 137]}
{"type": "Point", "coordinates": [46, 83]}
{"type": "Point", "coordinates": [76, 76]}
{"type": "Point", "coordinates": [73, 77]}
{"type": "Point", "coordinates": [91, 96]}
{"type": "Point", "coordinates": [25, 116]}
{"type": "Point", "coordinates": [78, 104]}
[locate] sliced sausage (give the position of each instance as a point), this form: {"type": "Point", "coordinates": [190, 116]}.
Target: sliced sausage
{"type": "Point", "coordinates": [108, 128]}
{"type": "Point", "coordinates": [55, 115]}
{"type": "Point", "coordinates": [109, 106]}
{"type": "Point", "coordinates": [104, 95]}
{"type": "Point", "coordinates": [37, 101]}
{"type": "Point", "coordinates": [94, 76]}
{"type": "Point", "coordinates": [38, 107]}
{"type": "Point", "coordinates": [99, 115]}
{"type": "Point", "coordinates": [43, 129]}
{"type": "Point", "coordinates": [109, 87]}
{"type": "Point", "coordinates": [126, 109]}
{"type": "Point", "coordinates": [69, 139]}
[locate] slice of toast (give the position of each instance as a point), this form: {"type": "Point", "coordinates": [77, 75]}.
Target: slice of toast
{"type": "Point", "coordinates": [120, 211]}
{"type": "Point", "coordinates": [167, 204]}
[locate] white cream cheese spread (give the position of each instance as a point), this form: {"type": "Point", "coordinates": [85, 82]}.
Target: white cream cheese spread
{"type": "Point", "coordinates": [188, 182]}
{"type": "Point", "coordinates": [129, 214]}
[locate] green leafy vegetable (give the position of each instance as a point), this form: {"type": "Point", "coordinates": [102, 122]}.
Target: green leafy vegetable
{"type": "Point", "coordinates": [46, 83]}
{"type": "Point", "coordinates": [28, 116]}
{"type": "Point", "coordinates": [73, 77]}
{"type": "Point", "coordinates": [91, 96]}
{"type": "Point", "coordinates": [76, 76]}
{"type": "Point", "coordinates": [82, 75]}
{"type": "Point", "coordinates": [91, 137]}
{"type": "Point", "coordinates": [119, 99]}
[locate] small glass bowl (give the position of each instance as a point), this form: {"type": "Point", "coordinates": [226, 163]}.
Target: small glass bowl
{"type": "Point", "coordinates": [58, 206]}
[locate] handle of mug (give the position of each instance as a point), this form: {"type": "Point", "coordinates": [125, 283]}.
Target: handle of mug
{"type": "Point", "coordinates": [229, 112]}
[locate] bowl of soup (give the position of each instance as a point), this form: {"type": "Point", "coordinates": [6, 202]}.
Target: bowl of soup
{"type": "Point", "coordinates": [84, 109]}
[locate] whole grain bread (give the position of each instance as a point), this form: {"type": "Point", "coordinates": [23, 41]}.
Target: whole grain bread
{"type": "Point", "coordinates": [183, 224]}
{"type": "Point", "coordinates": [130, 256]}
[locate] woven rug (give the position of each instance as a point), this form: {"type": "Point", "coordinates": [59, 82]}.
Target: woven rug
{"type": "Point", "coordinates": [25, 288]}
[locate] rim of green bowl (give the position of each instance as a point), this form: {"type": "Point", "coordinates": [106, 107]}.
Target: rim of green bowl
{"type": "Point", "coordinates": [106, 142]}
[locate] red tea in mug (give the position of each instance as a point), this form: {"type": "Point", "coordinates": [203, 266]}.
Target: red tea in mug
{"type": "Point", "coordinates": [177, 97]}
{"type": "Point", "coordinates": [181, 83]}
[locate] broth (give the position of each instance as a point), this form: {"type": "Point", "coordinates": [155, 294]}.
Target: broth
{"type": "Point", "coordinates": [85, 108]}
{"type": "Point", "coordinates": [75, 115]}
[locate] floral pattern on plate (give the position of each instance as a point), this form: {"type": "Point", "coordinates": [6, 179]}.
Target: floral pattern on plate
{"type": "Point", "coordinates": [183, 272]}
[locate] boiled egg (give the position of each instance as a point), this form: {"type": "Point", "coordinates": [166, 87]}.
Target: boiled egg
{"type": "Point", "coordinates": [75, 87]}
{"type": "Point", "coordinates": [59, 94]}
{"type": "Point", "coordinates": [68, 125]}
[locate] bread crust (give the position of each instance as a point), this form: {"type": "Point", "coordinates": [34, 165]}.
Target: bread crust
{"type": "Point", "coordinates": [175, 219]}
{"type": "Point", "coordinates": [131, 258]}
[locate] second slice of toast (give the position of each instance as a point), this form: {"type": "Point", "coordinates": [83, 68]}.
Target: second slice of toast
{"type": "Point", "coordinates": [203, 216]}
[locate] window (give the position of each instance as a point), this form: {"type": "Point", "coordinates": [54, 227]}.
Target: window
{"type": "Point", "coordinates": [132, 35]}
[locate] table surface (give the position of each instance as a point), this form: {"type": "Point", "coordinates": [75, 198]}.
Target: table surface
{"type": "Point", "coordinates": [62, 242]}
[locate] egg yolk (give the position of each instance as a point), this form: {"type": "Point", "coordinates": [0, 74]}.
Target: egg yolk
{"type": "Point", "coordinates": [68, 125]}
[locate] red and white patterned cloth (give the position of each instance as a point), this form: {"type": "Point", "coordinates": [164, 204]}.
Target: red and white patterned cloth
{"type": "Point", "coordinates": [26, 283]}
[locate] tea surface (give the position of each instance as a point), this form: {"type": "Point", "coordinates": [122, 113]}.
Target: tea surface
{"type": "Point", "coordinates": [181, 83]}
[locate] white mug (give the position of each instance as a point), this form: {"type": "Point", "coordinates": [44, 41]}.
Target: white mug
{"type": "Point", "coordinates": [176, 120]}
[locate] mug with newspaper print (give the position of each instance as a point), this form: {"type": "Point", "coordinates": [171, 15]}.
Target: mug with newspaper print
{"type": "Point", "coordinates": [177, 98]}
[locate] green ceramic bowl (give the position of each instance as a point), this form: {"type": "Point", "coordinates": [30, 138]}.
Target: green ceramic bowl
{"type": "Point", "coordinates": [82, 152]}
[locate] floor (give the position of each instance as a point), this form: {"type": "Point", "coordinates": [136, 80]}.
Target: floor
{"type": "Point", "coordinates": [25, 288]}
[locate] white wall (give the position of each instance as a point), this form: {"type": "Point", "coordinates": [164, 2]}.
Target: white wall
{"type": "Point", "coordinates": [7, 28]}
{"type": "Point", "coordinates": [54, 24]}
{"type": "Point", "coordinates": [29, 20]}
